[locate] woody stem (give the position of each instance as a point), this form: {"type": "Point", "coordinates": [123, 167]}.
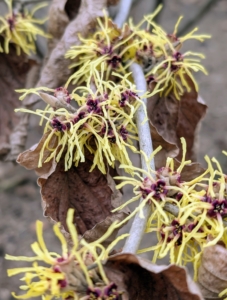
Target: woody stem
{"type": "Point", "coordinates": [139, 224]}
{"type": "Point", "coordinates": [123, 12]}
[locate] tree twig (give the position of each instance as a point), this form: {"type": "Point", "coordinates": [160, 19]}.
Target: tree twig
{"type": "Point", "coordinates": [200, 14]}
{"type": "Point", "coordinates": [139, 224]}
{"type": "Point", "coordinates": [158, 16]}
{"type": "Point", "coordinates": [123, 12]}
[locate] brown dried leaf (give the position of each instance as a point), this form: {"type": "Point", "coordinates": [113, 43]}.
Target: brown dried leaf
{"type": "Point", "coordinates": [168, 149]}
{"type": "Point", "coordinates": [13, 72]}
{"type": "Point", "coordinates": [92, 194]}
{"type": "Point", "coordinates": [142, 280]}
{"type": "Point", "coordinates": [172, 119]}
{"type": "Point", "coordinates": [61, 12]}
{"type": "Point", "coordinates": [189, 171]}
{"type": "Point", "coordinates": [29, 159]}
{"type": "Point", "coordinates": [212, 275]}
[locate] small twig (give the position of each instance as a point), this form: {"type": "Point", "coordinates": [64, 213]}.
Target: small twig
{"type": "Point", "coordinates": [91, 267]}
{"type": "Point", "coordinates": [10, 183]}
{"type": "Point", "coordinates": [172, 209]}
{"type": "Point", "coordinates": [139, 224]}
{"type": "Point", "coordinates": [200, 14]}
{"type": "Point", "coordinates": [57, 103]}
{"type": "Point", "coordinates": [123, 12]}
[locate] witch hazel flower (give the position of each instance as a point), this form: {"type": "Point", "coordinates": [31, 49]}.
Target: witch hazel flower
{"type": "Point", "coordinates": [209, 203]}
{"type": "Point", "coordinates": [169, 67]}
{"type": "Point", "coordinates": [62, 94]}
{"type": "Point", "coordinates": [216, 199]}
{"type": "Point", "coordinates": [172, 71]}
{"type": "Point", "coordinates": [103, 122]}
{"type": "Point", "coordinates": [157, 188]}
{"type": "Point", "coordinates": [69, 275]}
{"type": "Point", "coordinates": [109, 45]}
{"type": "Point", "coordinates": [109, 292]}
{"type": "Point", "coordinates": [116, 49]}
{"type": "Point", "coordinates": [21, 29]}
{"type": "Point", "coordinates": [179, 239]}
{"type": "Point", "coordinates": [199, 222]}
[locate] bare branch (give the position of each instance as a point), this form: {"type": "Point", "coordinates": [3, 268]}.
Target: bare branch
{"type": "Point", "coordinates": [139, 224]}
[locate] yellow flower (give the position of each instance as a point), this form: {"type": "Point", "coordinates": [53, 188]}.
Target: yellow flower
{"type": "Point", "coordinates": [109, 45]}
{"type": "Point", "coordinates": [172, 67]}
{"type": "Point", "coordinates": [67, 275]}
{"type": "Point", "coordinates": [103, 124]}
{"type": "Point", "coordinates": [158, 187]}
{"type": "Point", "coordinates": [198, 222]}
{"type": "Point", "coordinates": [157, 52]}
{"type": "Point", "coordinates": [176, 238]}
{"type": "Point", "coordinates": [198, 208]}
{"type": "Point", "coordinates": [20, 29]}
{"type": "Point", "coordinates": [115, 48]}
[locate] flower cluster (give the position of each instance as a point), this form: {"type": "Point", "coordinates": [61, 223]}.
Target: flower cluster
{"type": "Point", "coordinates": [20, 29]}
{"type": "Point", "coordinates": [172, 67]}
{"type": "Point", "coordinates": [186, 215]}
{"type": "Point", "coordinates": [103, 124]}
{"type": "Point", "coordinates": [166, 69]}
{"type": "Point", "coordinates": [77, 273]}
{"type": "Point", "coordinates": [109, 45]}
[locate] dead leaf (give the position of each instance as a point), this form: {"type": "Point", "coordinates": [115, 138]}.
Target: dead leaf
{"type": "Point", "coordinates": [168, 149]}
{"type": "Point", "coordinates": [29, 159]}
{"type": "Point", "coordinates": [143, 280]}
{"type": "Point", "coordinates": [13, 72]}
{"type": "Point", "coordinates": [92, 194]}
{"type": "Point", "coordinates": [172, 119]}
{"type": "Point", "coordinates": [100, 228]}
{"type": "Point", "coordinates": [190, 171]}
{"type": "Point", "coordinates": [212, 275]}
{"type": "Point", "coordinates": [61, 12]}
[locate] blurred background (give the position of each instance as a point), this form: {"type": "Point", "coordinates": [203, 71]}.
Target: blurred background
{"type": "Point", "coordinates": [20, 203]}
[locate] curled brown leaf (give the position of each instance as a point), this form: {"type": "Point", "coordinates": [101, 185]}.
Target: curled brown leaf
{"type": "Point", "coordinates": [168, 149]}
{"type": "Point", "coordinates": [61, 12]}
{"type": "Point", "coordinates": [190, 171]}
{"type": "Point", "coordinates": [212, 275]}
{"type": "Point", "coordinates": [29, 159]}
{"type": "Point", "coordinates": [142, 280]}
{"type": "Point", "coordinates": [172, 119]}
{"type": "Point", "coordinates": [13, 74]}
{"type": "Point", "coordinates": [93, 195]}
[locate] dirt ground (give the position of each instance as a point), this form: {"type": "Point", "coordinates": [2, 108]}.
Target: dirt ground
{"type": "Point", "coordinates": [19, 195]}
